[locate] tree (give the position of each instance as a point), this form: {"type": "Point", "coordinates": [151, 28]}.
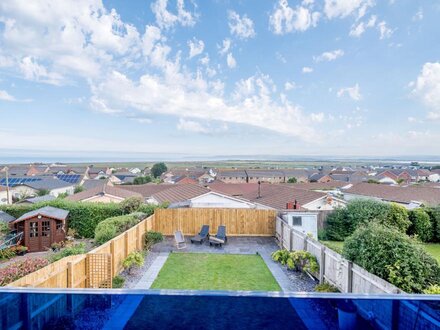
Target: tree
{"type": "Point", "coordinates": [393, 256]}
{"type": "Point", "coordinates": [131, 204]}
{"type": "Point", "coordinates": [142, 180]}
{"type": "Point", "coordinates": [78, 189]}
{"type": "Point", "coordinates": [292, 180]}
{"type": "Point", "coordinates": [397, 217]}
{"type": "Point", "coordinates": [158, 169]}
{"type": "Point", "coordinates": [434, 215]}
{"type": "Point", "coordinates": [420, 225]}
{"type": "Point", "coordinates": [400, 181]}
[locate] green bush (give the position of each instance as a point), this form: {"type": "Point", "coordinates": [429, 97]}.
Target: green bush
{"type": "Point", "coordinates": [83, 216]}
{"type": "Point", "coordinates": [142, 180]}
{"type": "Point", "coordinates": [151, 238]}
{"type": "Point", "coordinates": [158, 169]}
{"type": "Point", "coordinates": [118, 282]}
{"type": "Point", "coordinates": [69, 251]}
{"type": "Point", "coordinates": [133, 260]}
{"type": "Point", "coordinates": [302, 261]}
{"type": "Point", "coordinates": [432, 289]}
{"type": "Point", "coordinates": [420, 225]}
{"type": "Point", "coordinates": [393, 256]}
{"type": "Point", "coordinates": [434, 215]}
{"type": "Point", "coordinates": [4, 228]}
{"type": "Point", "coordinates": [326, 287]}
{"type": "Point", "coordinates": [7, 254]}
{"type": "Point", "coordinates": [149, 209]}
{"type": "Point", "coordinates": [337, 225]}
{"type": "Point", "coordinates": [292, 180]}
{"type": "Point", "coordinates": [397, 217]}
{"type": "Point", "coordinates": [78, 189]}
{"type": "Point", "coordinates": [281, 256]}
{"type": "Point", "coordinates": [131, 204]}
{"type": "Point", "coordinates": [112, 227]}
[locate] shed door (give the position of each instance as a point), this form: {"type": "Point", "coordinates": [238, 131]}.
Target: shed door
{"type": "Point", "coordinates": [34, 235]}
{"type": "Point", "coordinates": [45, 238]}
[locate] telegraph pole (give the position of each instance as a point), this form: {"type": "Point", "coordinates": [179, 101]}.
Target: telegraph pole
{"type": "Point", "coordinates": [7, 185]}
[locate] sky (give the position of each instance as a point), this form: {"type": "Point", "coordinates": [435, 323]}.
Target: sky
{"type": "Point", "coordinates": [173, 77]}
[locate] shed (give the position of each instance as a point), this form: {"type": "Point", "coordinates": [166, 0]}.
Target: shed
{"type": "Point", "coordinates": [41, 228]}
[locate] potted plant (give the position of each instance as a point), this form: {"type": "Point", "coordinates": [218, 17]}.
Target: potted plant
{"type": "Point", "coordinates": [55, 247]}
{"type": "Point", "coordinates": [21, 250]}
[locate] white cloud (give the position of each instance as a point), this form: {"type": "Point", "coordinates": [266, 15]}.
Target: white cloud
{"type": "Point", "coordinates": [166, 19]}
{"type": "Point", "coordinates": [230, 60]}
{"type": "Point", "coordinates": [5, 96]}
{"type": "Point", "coordinates": [317, 117]}
{"type": "Point", "coordinates": [384, 30]}
{"type": "Point", "coordinates": [242, 27]}
{"type": "Point", "coordinates": [197, 127]}
{"type": "Point", "coordinates": [427, 88]}
{"type": "Point", "coordinates": [307, 69]}
{"type": "Point", "coordinates": [344, 8]}
{"type": "Point", "coordinates": [353, 92]}
{"type": "Point", "coordinates": [290, 85]}
{"type": "Point", "coordinates": [285, 19]}
{"type": "Point", "coordinates": [358, 29]}
{"type": "Point", "coordinates": [33, 71]}
{"type": "Point", "coordinates": [329, 56]}
{"type": "Point", "coordinates": [195, 47]}
{"type": "Point", "coordinates": [224, 48]}
{"type": "Point", "coordinates": [280, 57]}
{"type": "Point", "coordinates": [418, 16]}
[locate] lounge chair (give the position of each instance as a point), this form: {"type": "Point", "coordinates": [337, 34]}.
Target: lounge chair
{"type": "Point", "coordinates": [200, 237]}
{"type": "Point", "coordinates": [220, 238]}
{"type": "Point", "coordinates": [180, 240]}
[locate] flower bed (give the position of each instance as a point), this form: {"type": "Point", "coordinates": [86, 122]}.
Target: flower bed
{"type": "Point", "coordinates": [19, 269]}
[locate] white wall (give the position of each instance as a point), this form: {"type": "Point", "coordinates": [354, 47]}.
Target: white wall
{"type": "Point", "coordinates": [309, 222]}
{"type": "Point", "coordinates": [213, 200]}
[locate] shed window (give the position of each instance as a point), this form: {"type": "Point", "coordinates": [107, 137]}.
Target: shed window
{"type": "Point", "coordinates": [33, 229]}
{"type": "Point", "coordinates": [59, 225]}
{"type": "Point", "coordinates": [296, 221]}
{"type": "Point", "coordinates": [45, 228]}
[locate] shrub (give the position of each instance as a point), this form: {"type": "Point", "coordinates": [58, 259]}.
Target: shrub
{"type": "Point", "coordinates": [7, 254]}
{"type": "Point", "coordinates": [112, 227]}
{"type": "Point", "coordinates": [133, 260]}
{"type": "Point", "coordinates": [131, 204]}
{"type": "Point", "coordinates": [393, 256]}
{"type": "Point", "coordinates": [118, 282]}
{"type": "Point", "coordinates": [78, 189]}
{"type": "Point", "coordinates": [281, 256]}
{"type": "Point", "coordinates": [4, 228]}
{"type": "Point", "coordinates": [337, 227]}
{"type": "Point", "coordinates": [292, 180]}
{"type": "Point", "coordinates": [302, 261]}
{"type": "Point", "coordinates": [83, 216]}
{"type": "Point", "coordinates": [151, 238]}
{"type": "Point", "coordinates": [69, 251]}
{"type": "Point", "coordinates": [432, 289]}
{"type": "Point", "coordinates": [434, 215]}
{"type": "Point", "coordinates": [43, 192]}
{"type": "Point", "coordinates": [326, 287]}
{"type": "Point", "coordinates": [142, 180]}
{"type": "Point", "coordinates": [397, 217]}
{"type": "Point", "coordinates": [19, 269]}
{"type": "Point", "coordinates": [158, 169]}
{"type": "Point", "coordinates": [420, 225]}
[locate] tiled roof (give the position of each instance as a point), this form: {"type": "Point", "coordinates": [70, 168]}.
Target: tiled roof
{"type": "Point", "coordinates": [90, 184]}
{"type": "Point", "coordinates": [103, 190]}
{"type": "Point", "coordinates": [48, 183]}
{"type": "Point", "coordinates": [178, 193]}
{"type": "Point", "coordinates": [320, 185]}
{"type": "Point", "coordinates": [5, 217]}
{"type": "Point", "coordinates": [426, 195]}
{"type": "Point", "coordinates": [47, 211]}
{"type": "Point", "coordinates": [148, 189]}
{"type": "Point", "coordinates": [38, 199]}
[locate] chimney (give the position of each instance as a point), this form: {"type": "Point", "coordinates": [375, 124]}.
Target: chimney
{"type": "Point", "coordinates": [296, 205]}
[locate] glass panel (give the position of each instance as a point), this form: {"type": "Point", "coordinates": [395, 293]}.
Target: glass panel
{"type": "Point", "coordinates": [33, 229]}
{"type": "Point", "coordinates": [296, 221]}
{"type": "Point", "coordinates": [45, 228]}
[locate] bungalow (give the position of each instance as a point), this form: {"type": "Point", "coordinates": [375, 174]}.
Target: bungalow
{"type": "Point", "coordinates": [104, 194]}
{"type": "Point", "coordinates": [232, 176]}
{"type": "Point", "coordinates": [55, 187]}
{"type": "Point", "coordinates": [320, 177]}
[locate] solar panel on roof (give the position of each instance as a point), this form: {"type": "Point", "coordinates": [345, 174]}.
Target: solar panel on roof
{"type": "Point", "coordinates": [69, 178]}
{"type": "Point", "coordinates": [12, 182]}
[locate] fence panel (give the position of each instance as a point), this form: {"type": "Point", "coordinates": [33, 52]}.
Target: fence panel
{"type": "Point", "coordinates": [99, 270]}
{"type": "Point", "coordinates": [237, 221]}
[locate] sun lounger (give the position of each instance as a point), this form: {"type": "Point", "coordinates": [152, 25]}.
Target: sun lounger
{"type": "Point", "coordinates": [180, 240]}
{"type": "Point", "coordinates": [203, 235]}
{"type": "Point", "coordinates": [220, 238]}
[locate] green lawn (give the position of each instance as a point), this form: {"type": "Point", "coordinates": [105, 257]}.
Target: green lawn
{"type": "Point", "coordinates": [432, 248]}
{"type": "Point", "coordinates": [204, 271]}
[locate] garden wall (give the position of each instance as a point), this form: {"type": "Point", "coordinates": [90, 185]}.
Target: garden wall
{"type": "Point", "coordinates": [238, 222]}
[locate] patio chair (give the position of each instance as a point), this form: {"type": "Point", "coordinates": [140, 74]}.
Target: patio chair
{"type": "Point", "coordinates": [220, 238]}
{"type": "Point", "coordinates": [202, 235]}
{"type": "Point", "coordinates": [180, 240]}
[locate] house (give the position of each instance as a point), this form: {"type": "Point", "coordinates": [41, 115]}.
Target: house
{"type": "Point", "coordinates": [91, 183]}
{"type": "Point", "coordinates": [37, 170]}
{"type": "Point", "coordinates": [398, 175]}
{"type": "Point", "coordinates": [122, 177]}
{"type": "Point", "coordinates": [434, 177]}
{"type": "Point", "coordinates": [55, 187]}
{"type": "Point", "coordinates": [96, 172]}
{"type": "Point", "coordinates": [320, 177]}
{"type": "Point", "coordinates": [41, 228]}
{"type": "Point", "coordinates": [103, 194]}
{"type": "Point", "coordinates": [38, 199]}
{"type": "Point", "coordinates": [232, 176]}
{"type": "Point", "coordinates": [301, 175]}
{"type": "Point", "coordinates": [410, 196]}
{"type": "Point", "coordinates": [135, 170]}
{"type": "Point", "coordinates": [213, 199]}
{"type": "Point", "coordinates": [267, 176]}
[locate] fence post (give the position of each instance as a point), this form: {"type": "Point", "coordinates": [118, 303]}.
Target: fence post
{"type": "Point", "coordinates": [70, 274]}
{"type": "Point", "coordinates": [113, 257]}
{"type": "Point", "coordinates": [282, 235]}
{"type": "Point", "coordinates": [322, 265]}
{"type": "Point", "coordinates": [305, 242]}
{"type": "Point", "coordinates": [291, 239]}
{"type": "Point", "coordinates": [349, 276]}
{"type": "Point", "coordinates": [138, 238]}
{"type": "Point", "coordinates": [126, 245]}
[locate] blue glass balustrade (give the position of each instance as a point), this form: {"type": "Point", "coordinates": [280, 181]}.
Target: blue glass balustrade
{"type": "Point", "coordinates": [158, 309]}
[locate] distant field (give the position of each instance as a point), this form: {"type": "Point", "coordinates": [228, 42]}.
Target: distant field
{"type": "Point", "coordinates": [432, 248]}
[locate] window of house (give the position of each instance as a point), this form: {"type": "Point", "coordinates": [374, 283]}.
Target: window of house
{"type": "Point", "coordinates": [59, 225]}
{"type": "Point", "coordinates": [33, 229]}
{"type": "Point", "coordinates": [296, 221]}
{"type": "Point", "coordinates": [45, 228]}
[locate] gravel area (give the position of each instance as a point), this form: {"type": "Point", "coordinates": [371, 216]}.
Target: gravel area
{"type": "Point", "coordinates": [300, 281]}
{"type": "Point", "coordinates": [132, 279]}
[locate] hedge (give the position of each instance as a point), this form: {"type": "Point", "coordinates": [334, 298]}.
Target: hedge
{"type": "Point", "coordinates": [112, 227]}
{"type": "Point", "coordinates": [420, 225]}
{"type": "Point", "coordinates": [393, 256]}
{"type": "Point", "coordinates": [434, 215]}
{"type": "Point", "coordinates": [83, 216]}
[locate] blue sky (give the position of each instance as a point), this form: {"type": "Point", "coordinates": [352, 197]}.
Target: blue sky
{"type": "Point", "coordinates": [329, 77]}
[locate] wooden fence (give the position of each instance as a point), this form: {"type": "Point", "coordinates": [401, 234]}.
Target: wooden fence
{"type": "Point", "coordinates": [333, 268]}
{"type": "Point", "coordinates": [92, 270]}
{"type": "Point", "coordinates": [238, 222]}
